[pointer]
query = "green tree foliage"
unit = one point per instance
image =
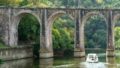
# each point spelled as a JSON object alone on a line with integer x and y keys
{"x": 63, "y": 33}
{"x": 63, "y": 3}
{"x": 117, "y": 33}
{"x": 95, "y": 32}
{"x": 10, "y": 2}
{"x": 28, "y": 28}
{"x": 117, "y": 36}
{"x": 36, "y": 3}
{"x": 29, "y": 33}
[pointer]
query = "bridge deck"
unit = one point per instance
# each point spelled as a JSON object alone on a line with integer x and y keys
{"x": 98, "y": 9}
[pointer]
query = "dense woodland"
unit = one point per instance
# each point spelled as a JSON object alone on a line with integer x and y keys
{"x": 63, "y": 27}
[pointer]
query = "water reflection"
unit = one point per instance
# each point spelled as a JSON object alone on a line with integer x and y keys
{"x": 94, "y": 65}
{"x": 28, "y": 63}
{"x": 46, "y": 63}
{"x": 110, "y": 62}
{"x": 23, "y": 63}
{"x": 83, "y": 64}
{"x": 78, "y": 62}
{"x": 60, "y": 63}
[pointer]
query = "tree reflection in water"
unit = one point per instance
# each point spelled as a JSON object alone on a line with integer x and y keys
{"x": 61, "y": 63}
{"x": 23, "y": 63}
{"x": 28, "y": 63}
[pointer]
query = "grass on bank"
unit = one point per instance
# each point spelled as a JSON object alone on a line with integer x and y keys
{"x": 3, "y": 45}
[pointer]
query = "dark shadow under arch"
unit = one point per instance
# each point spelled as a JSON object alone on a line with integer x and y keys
{"x": 29, "y": 32}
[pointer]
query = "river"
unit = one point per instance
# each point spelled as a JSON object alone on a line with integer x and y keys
{"x": 65, "y": 62}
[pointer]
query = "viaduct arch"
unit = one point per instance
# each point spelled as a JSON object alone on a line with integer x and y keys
{"x": 84, "y": 21}
{"x": 46, "y": 16}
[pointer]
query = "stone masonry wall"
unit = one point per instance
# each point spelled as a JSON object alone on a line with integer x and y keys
{"x": 16, "y": 53}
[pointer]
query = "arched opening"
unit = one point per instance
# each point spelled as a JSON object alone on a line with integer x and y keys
{"x": 29, "y": 32}
{"x": 63, "y": 28}
{"x": 95, "y": 30}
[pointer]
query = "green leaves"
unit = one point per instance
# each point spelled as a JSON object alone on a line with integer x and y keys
{"x": 14, "y": 3}
{"x": 95, "y": 32}
{"x": 117, "y": 36}
{"x": 62, "y": 3}
{"x": 28, "y": 28}
{"x": 63, "y": 33}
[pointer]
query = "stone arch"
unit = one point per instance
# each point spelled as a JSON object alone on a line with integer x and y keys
{"x": 89, "y": 14}
{"x": 14, "y": 26}
{"x": 84, "y": 21}
{"x": 56, "y": 15}
{"x": 50, "y": 21}
{"x": 21, "y": 13}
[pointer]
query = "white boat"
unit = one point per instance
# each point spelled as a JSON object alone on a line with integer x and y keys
{"x": 92, "y": 58}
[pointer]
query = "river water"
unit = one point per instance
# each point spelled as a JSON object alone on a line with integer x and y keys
{"x": 109, "y": 62}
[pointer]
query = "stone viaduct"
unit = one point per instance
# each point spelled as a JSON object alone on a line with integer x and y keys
{"x": 10, "y": 17}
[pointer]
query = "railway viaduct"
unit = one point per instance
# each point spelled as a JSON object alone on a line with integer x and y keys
{"x": 10, "y": 18}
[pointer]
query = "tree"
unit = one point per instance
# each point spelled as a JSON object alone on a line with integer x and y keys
{"x": 14, "y": 3}
{"x": 63, "y": 33}
{"x": 117, "y": 36}
{"x": 95, "y": 32}
{"x": 28, "y": 29}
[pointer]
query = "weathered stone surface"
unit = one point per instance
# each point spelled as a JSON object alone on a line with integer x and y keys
{"x": 110, "y": 53}
{"x": 4, "y": 28}
{"x": 46, "y": 54}
{"x": 10, "y": 17}
{"x": 16, "y": 53}
{"x": 79, "y": 54}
